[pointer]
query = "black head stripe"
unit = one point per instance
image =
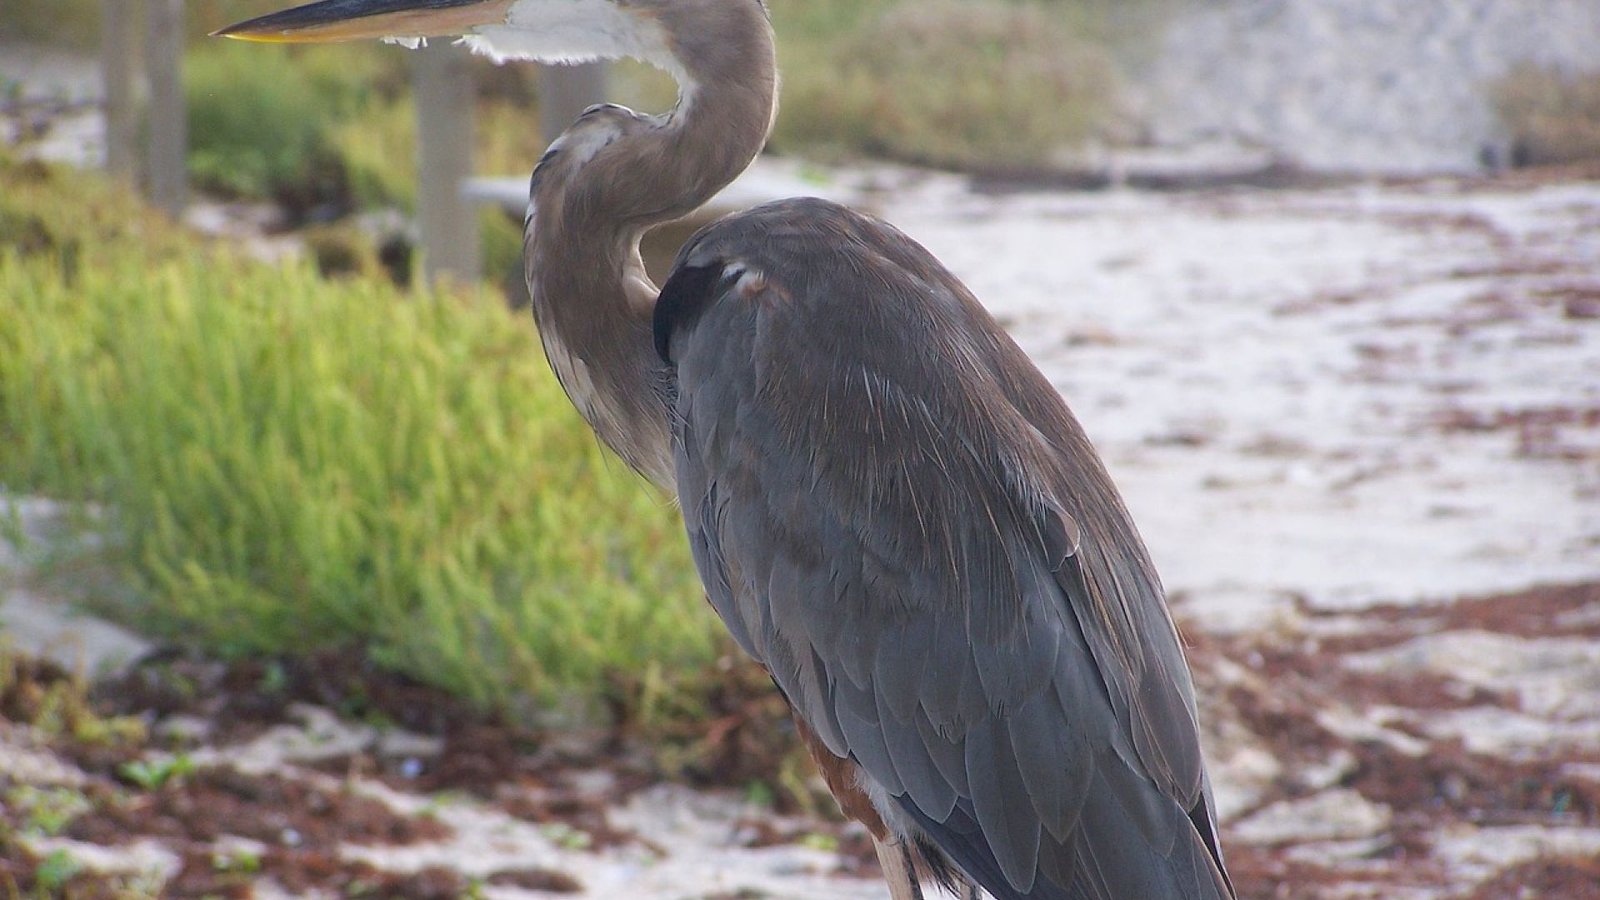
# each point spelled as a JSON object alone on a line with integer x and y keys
{"x": 687, "y": 293}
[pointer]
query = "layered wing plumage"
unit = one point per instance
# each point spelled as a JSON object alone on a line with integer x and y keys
{"x": 895, "y": 513}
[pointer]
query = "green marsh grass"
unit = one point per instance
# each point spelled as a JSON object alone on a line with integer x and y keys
{"x": 967, "y": 84}
{"x": 293, "y": 463}
{"x": 263, "y": 120}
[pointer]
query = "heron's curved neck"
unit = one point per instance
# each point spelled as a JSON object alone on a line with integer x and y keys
{"x": 609, "y": 179}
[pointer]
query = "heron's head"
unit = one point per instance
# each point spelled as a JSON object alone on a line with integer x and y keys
{"x": 664, "y": 33}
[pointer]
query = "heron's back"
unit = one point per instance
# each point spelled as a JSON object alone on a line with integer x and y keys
{"x": 897, "y": 515}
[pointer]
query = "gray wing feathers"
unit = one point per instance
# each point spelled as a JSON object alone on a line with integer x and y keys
{"x": 894, "y": 531}
{"x": 1000, "y": 799}
{"x": 919, "y": 767}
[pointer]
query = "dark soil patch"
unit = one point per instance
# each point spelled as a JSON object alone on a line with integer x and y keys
{"x": 300, "y": 819}
{"x": 1513, "y": 266}
{"x": 33, "y": 688}
{"x": 1443, "y": 786}
{"x": 301, "y": 826}
{"x": 1458, "y": 222}
{"x": 1446, "y": 783}
{"x": 746, "y": 735}
{"x": 301, "y": 823}
{"x": 1557, "y": 610}
{"x": 25, "y": 874}
{"x": 1541, "y": 432}
{"x": 273, "y": 809}
{"x": 857, "y": 856}
{"x": 585, "y": 813}
{"x": 1577, "y": 301}
{"x": 242, "y": 698}
{"x": 303, "y": 872}
{"x": 40, "y": 693}
{"x": 1570, "y": 879}
{"x": 534, "y": 792}
{"x": 545, "y": 880}
{"x": 1451, "y": 782}
{"x": 1261, "y": 873}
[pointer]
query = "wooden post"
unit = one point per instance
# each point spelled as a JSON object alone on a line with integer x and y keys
{"x": 566, "y": 91}
{"x": 119, "y": 70}
{"x": 446, "y": 220}
{"x": 168, "y": 124}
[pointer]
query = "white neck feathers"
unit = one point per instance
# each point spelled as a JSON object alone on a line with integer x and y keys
{"x": 577, "y": 31}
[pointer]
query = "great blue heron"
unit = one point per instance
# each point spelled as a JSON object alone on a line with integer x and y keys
{"x": 890, "y": 507}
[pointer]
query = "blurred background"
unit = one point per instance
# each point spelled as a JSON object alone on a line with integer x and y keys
{"x": 312, "y": 582}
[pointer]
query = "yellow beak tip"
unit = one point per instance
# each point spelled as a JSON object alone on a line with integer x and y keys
{"x": 254, "y": 38}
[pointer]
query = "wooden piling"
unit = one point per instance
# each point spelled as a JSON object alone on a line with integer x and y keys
{"x": 446, "y": 221}
{"x": 167, "y": 134}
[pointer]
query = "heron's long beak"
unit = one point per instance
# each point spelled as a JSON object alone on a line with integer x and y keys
{"x": 351, "y": 20}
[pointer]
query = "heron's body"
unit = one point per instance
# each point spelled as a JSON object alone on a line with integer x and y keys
{"x": 890, "y": 507}
{"x": 896, "y": 514}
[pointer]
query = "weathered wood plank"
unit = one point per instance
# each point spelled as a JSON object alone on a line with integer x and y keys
{"x": 167, "y": 181}
{"x": 119, "y": 70}
{"x": 446, "y": 219}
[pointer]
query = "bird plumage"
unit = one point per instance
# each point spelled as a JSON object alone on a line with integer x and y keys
{"x": 896, "y": 514}
{"x": 890, "y": 507}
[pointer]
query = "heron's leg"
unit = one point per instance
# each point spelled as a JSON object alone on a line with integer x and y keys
{"x": 896, "y": 862}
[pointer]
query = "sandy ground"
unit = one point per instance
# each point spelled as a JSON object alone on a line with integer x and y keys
{"x": 1334, "y": 413}
{"x": 1354, "y": 395}
{"x": 1359, "y": 427}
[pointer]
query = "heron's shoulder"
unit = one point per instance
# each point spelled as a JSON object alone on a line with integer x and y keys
{"x": 796, "y": 234}
{"x": 790, "y": 213}
{"x": 806, "y": 259}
